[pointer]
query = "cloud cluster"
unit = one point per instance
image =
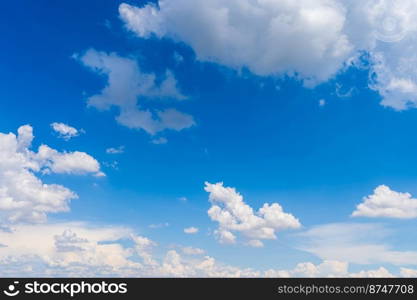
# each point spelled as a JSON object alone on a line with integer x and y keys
{"x": 234, "y": 215}
{"x": 79, "y": 249}
{"x": 386, "y": 203}
{"x": 127, "y": 85}
{"x": 23, "y": 195}
{"x": 65, "y": 131}
{"x": 118, "y": 150}
{"x": 310, "y": 40}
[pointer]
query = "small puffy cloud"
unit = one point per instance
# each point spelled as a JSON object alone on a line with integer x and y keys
{"x": 192, "y": 251}
{"x": 65, "y": 131}
{"x": 308, "y": 40}
{"x": 386, "y": 203}
{"x": 127, "y": 85}
{"x": 118, "y": 150}
{"x": 191, "y": 230}
{"x": 159, "y": 141}
{"x": 68, "y": 241}
{"x": 408, "y": 273}
{"x": 234, "y": 215}
{"x": 23, "y": 195}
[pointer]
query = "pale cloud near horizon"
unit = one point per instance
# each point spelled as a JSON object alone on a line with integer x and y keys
{"x": 79, "y": 249}
{"x": 117, "y": 150}
{"x": 358, "y": 243}
{"x": 310, "y": 40}
{"x": 23, "y": 195}
{"x": 386, "y": 203}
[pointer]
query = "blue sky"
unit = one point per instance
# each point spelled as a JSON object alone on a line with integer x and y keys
{"x": 316, "y": 148}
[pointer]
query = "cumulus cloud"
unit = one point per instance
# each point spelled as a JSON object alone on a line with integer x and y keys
{"x": 127, "y": 85}
{"x": 327, "y": 268}
{"x": 159, "y": 225}
{"x": 310, "y": 40}
{"x": 23, "y": 196}
{"x": 66, "y": 249}
{"x": 192, "y": 251}
{"x": 69, "y": 241}
{"x": 354, "y": 243}
{"x": 234, "y": 215}
{"x": 65, "y": 131}
{"x": 386, "y": 203}
{"x": 191, "y": 230}
{"x": 227, "y": 32}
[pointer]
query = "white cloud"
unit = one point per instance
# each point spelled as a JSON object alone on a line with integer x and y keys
{"x": 325, "y": 269}
{"x": 127, "y": 85}
{"x": 143, "y": 247}
{"x": 65, "y": 249}
{"x": 386, "y": 203}
{"x": 310, "y": 40}
{"x": 191, "y": 230}
{"x": 118, "y": 150}
{"x": 255, "y": 243}
{"x": 192, "y": 251}
{"x": 234, "y": 215}
{"x": 68, "y": 162}
{"x": 78, "y": 249}
{"x": 183, "y": 199}
{"x": 159, "y": 141}
{"x": 410, "y": 273}
{"x": 378, "y": 273}
{"x": 23, "y": 196}
{"x": 65, "y": 131}
{"x": 159, "y": 225}
{"x": 297, "y": 36}
{"x": 354, "y": 243}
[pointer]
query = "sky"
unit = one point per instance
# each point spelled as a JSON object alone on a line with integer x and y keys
{"x": 175, "y": 138}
